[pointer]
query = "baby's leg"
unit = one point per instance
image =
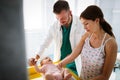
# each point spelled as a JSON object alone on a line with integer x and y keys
{"x": 58, "y": 76}
{"x": 67, "y": 74}
{"x": 49, "y": 77}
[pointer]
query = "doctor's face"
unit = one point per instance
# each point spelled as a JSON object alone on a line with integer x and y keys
{"x": 63, "y": 17}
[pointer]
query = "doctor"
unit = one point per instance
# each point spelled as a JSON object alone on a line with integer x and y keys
{"x": 66, "y": 32}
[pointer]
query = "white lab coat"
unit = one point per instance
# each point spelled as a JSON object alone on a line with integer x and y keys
{"x": 55, "y": 33}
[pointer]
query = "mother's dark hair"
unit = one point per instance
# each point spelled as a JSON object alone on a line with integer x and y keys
{"x": 92, "y": 12}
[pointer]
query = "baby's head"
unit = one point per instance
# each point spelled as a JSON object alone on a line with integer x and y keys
{"x": 46, "y": 60}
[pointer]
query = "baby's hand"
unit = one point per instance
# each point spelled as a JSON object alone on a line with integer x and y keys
{"x": 37, "y": 57}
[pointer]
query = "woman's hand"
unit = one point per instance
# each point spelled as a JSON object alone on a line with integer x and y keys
{"x": 59, "y": 65}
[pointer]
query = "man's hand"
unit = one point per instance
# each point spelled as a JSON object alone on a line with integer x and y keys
{"x": 32, "y": 61}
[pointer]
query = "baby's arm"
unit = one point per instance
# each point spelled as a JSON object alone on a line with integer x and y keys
{"x": 36, "y": 68}
{"x": 40, "y": 70}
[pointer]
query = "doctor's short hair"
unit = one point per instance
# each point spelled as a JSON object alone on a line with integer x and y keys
{"x": 60, "y": 5}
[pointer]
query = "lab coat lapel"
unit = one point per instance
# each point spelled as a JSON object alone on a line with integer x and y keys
{"x": 72, "y": 33}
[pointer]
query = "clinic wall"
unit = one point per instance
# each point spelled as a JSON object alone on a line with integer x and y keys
{"x": 111, "y": 10}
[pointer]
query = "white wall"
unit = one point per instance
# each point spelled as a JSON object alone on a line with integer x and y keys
{"x": 38, "y": 17}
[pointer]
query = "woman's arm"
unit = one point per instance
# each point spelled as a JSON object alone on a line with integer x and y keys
{"x": 110, "y": 58}
{"x": 75, "y": 52}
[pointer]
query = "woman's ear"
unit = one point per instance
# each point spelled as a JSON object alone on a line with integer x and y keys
{"x": 97, "y": 20}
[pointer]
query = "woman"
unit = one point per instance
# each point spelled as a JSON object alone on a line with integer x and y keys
{"x": 98, "y": 47}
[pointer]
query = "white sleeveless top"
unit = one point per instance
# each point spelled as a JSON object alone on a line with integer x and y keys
{"x": 92, "y": 59}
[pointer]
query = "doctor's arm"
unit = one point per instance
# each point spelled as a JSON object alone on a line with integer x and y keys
{"x": 48, "y": 39}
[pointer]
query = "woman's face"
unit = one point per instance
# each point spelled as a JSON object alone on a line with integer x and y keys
{"x": 89, "y": 25}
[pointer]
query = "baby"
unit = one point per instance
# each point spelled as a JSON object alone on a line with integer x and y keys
{"x": 51, "y": 71}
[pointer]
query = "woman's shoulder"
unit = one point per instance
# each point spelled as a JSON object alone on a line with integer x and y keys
{"x": 85, "y": 35}
{"x": 110, "y": 42}
{"x": 110, "y": 39}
